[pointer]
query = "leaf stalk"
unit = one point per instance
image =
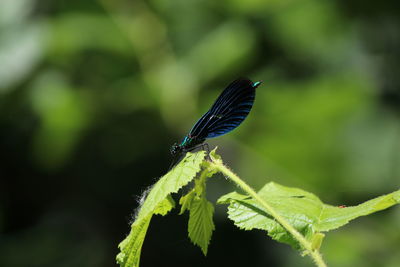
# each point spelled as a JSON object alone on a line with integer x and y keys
{"x": 313, "y": 253}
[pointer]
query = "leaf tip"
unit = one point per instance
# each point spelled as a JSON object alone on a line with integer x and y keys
{"x": 214, "y": 156}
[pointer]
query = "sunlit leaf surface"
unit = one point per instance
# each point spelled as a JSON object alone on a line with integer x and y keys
{"x": 158, "y": 201}
{"x": 305, "y": 211}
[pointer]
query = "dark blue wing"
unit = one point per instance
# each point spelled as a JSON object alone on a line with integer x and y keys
{"x": 228, "y": 111}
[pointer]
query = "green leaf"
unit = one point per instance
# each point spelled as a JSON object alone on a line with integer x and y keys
{"x": 186, "y": 201}
{"x": 303, "y": 210}
{"x": 131, "y": 247}
{"x": 165, "y": 206}
{"x": 214, "y": 156}
{"x": 201, "y": 222}
{"x": 201, "y": 225}
{"x": 317, "y": 241}
{"x": 174, "y": 180}
{"x": 158, "y": 201}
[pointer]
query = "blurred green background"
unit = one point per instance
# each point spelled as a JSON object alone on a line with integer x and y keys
{"x": 93, "y": 93}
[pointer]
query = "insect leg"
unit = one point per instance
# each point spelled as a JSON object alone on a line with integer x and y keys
{"x": 203, "y": 146}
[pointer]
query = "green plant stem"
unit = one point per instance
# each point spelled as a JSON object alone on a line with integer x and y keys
{"x": 315, "y": 255}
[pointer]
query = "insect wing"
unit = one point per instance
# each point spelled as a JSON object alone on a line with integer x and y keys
{"x": 228, "y": 111}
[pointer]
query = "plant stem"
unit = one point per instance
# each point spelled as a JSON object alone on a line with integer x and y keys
{"x": 315, "y": 255}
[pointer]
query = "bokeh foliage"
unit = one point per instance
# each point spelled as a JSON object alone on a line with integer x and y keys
{"x": 92, "y": 94}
